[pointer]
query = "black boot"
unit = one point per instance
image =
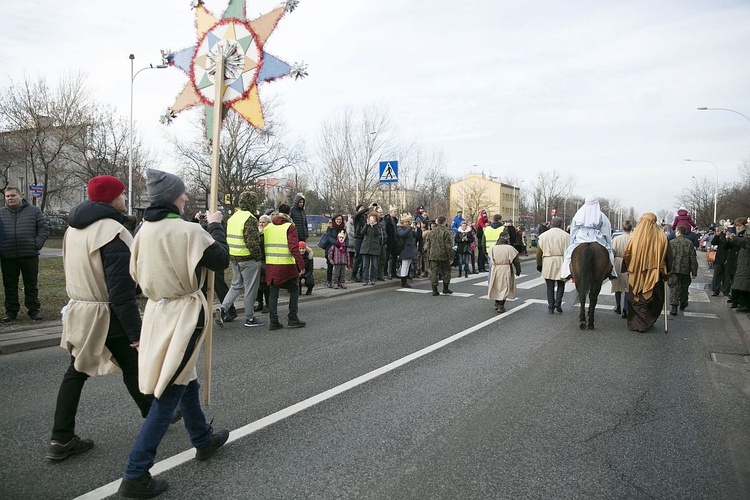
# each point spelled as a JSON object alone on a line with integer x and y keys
{"x": 501, "y": 307}
{"x": 673, "y": 311}
{"x": 446, "y": 290}
{"x": 435, "y": 291}
{"x": 142, "y": 487}
{"x": 404, "y": 283}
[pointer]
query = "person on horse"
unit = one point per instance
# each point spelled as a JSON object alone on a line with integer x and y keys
{"x": 589, "y": 225}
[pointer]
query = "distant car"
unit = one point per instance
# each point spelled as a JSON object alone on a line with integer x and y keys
{"x": 57, "y": 225}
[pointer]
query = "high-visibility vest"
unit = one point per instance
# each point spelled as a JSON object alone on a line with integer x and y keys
{"x": 276, "y": 244}
{"x": 491, "y": 235}
{"x": 235, "y": 233}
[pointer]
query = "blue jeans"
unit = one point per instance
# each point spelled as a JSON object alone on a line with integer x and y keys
{"x": 369, "y": 268}
{"x": 464, "y": 259}
{"x": 357, "y": 267}
{"x": 157, "y": 422}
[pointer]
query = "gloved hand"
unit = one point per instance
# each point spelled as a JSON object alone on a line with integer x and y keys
{"x": 518, "y": 274}
{"x": 539, "y": 268}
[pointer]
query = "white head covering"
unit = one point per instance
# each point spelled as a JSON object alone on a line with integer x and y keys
{"x": 590, "y": 213}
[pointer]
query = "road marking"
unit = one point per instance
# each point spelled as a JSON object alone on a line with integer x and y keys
{"x": 698, "y": 296}
{"x": 413, "y": 290}
{"x": 530, "y": 284}
{"x": 181, "y": 458}
{"x": 701, "y": 315}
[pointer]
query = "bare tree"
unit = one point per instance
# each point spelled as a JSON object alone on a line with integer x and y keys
{"x": 349, "y": 149}
{"x": 43, "y": 126}
{"x": 246, "y": 155}
{"x": 549, "y": 190}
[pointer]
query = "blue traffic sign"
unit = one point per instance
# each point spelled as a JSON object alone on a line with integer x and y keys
{"x": 388, "y": 171}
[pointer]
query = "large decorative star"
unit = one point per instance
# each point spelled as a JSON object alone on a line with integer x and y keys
{"x": 246, "y": 63}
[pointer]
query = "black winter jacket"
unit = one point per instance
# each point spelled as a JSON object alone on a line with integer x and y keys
{"x": 26, "y": 231}
{"x": 299, "y": 217}
{"x": 125, "y": 318}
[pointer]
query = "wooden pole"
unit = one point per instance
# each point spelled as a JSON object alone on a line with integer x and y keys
{"x": 666, "y": 299}
{"x": 212, "y": 207}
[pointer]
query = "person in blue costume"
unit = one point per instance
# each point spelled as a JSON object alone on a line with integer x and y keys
{"x": 589, "y": 224}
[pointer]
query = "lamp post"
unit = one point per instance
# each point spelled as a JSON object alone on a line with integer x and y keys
{"x": 516, "y": 193}
{"x": 130, "y": 149}
{"x": 716, "y": 186}
{"x": 725, "y": 109}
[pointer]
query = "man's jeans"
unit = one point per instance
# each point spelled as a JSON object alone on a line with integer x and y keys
{"x": 357, "y": 267}
{"x": 157, "y": 422}
{"x": 552, "y": 297}
{"x": 72, "y": 384}
{"x": 245, "y": 276}
{"x": 12, "y": 269}
{"x": 273, "y": 300}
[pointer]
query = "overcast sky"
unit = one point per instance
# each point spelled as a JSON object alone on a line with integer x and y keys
{"x": 604, "y": 91}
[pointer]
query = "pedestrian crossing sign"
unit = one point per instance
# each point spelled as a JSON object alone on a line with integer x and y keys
{"x": 388, "y": 171}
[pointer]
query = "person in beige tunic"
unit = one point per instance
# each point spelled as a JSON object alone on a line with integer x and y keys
{"x": 502, "y": 284}
{"x": 101, "y": 322}
{"x": 550, "y": 249}
{"x": 169, "y": 260}
{"x": 620, "y": 285}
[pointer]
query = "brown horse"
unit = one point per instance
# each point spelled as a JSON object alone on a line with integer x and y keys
{"x": 590, "y": 266}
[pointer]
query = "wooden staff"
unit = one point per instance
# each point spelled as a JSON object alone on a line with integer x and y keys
{"x": 666, "y": 299}
{"x": 212, "y": 207}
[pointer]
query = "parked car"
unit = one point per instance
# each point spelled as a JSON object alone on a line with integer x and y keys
{"x": 57, "y": 225}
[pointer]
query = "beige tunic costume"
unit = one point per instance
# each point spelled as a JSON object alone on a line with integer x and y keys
{"x": 619, "y": 244}
{"x": 553, "y": 244}
{"x": 165, "y": 254}
{"x": 87, "y": 314}
{"x": 502, "y": 283}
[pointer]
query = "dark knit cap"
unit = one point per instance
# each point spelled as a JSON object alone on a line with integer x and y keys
{"x": 105, "y": 188}
{"x": 163, "y": 187}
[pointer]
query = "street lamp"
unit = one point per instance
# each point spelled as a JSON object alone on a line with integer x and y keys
{"x": 725, "y": 109}
{"x": 716, "y": 186}
{"x": 516, "y": 192}
{"x": 130, "y": 149}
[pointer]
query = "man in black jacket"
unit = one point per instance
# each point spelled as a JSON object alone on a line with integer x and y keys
{"x": 721, "y": 282}
{"x": 26, "y": 230}
{"x": 101, "y": 323}
{"x": 299, "y": 216}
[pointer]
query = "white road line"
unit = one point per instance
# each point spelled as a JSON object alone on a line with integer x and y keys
{"x": 413, "y": 290}
{"x": 698, "y": 296}
{"x": 701, "y": 315}
{"x": 171, "y": 462}
{"x": 530, "y": 284}
{"x": 507, "y": 300}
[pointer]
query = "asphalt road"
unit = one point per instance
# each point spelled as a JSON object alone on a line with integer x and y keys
{"x": 398, "y": 394}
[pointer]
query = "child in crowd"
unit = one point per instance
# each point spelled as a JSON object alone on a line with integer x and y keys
{"x": 307, "y": 279}
{"x": 338, "y": 256}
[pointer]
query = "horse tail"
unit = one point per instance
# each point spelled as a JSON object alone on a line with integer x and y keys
{"x": 587, "y": 270}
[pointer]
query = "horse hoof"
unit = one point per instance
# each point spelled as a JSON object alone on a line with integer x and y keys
{"x": 583, "y": 325}
{"x": 591, "y": 326}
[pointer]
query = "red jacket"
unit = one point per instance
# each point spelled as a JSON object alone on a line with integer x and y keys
{"x": 278, "y": 274}
{"x": 683, "y": 219}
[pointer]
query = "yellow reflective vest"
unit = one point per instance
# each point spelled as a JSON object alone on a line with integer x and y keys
{"x": 235, "y": 233}
{"x": 276, "y": 244}
{"x": 491, "y": 235}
